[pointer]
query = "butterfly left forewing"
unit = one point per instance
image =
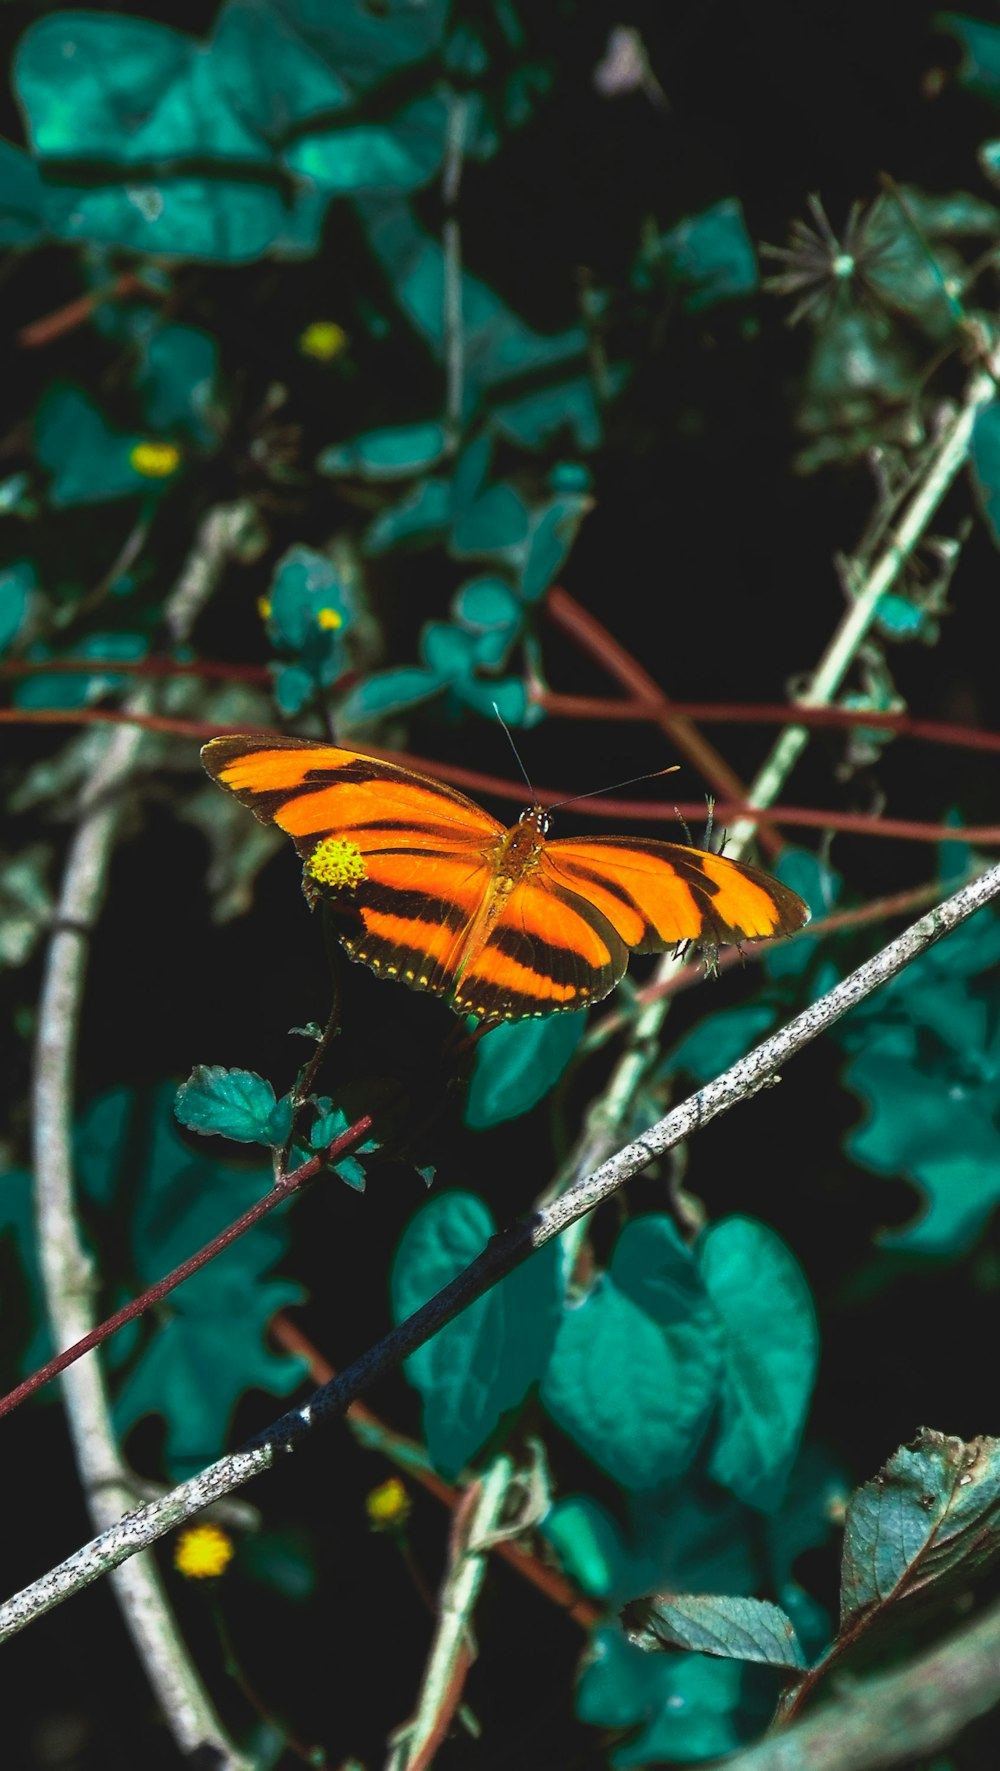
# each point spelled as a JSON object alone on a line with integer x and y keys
{"x": 657, "y": 894}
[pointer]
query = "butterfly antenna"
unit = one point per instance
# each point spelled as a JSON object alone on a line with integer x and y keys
{"x": 651, "y": 775}
{"x": 517, "y": 753}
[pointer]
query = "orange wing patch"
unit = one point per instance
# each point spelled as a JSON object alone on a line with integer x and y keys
{"x": 438, "y": 894}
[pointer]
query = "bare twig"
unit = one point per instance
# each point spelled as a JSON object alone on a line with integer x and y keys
{"x": 66, "y": 1269}
{"x": 902, "y": 1715}
{"x": 758, "y": 1069}
{"x": 477, "y": 1518}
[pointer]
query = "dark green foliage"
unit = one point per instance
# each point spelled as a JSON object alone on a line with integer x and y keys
{"x": 516, "y": 1065}
{"x": 728, "y": 1629}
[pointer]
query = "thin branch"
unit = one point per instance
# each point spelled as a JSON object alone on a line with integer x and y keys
{"x": 410, "y": 1457}
{"x": 227, "y": 673}
{"x": 65, "y": 1265}
{"x": 947, "y": 462}
{"x": 902, "y": 1715}
{"x": 595, "y": 639}
{"x": 285, "y": 1185}
{"x": 507, "y": 1250}
{"x": 75, "y": 313}
{"x": 475, "y": 1521}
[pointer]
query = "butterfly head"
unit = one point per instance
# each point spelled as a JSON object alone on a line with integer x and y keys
{"x": 537, "y": 819}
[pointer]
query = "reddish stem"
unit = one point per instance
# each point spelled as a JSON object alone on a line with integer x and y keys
{"x": 74, "y": 313}
{"x": 594, "y": 638}
{"x": 283, "y": 1187}
{"x": 230, "y": 673}
{"x": 547, "y": 1580}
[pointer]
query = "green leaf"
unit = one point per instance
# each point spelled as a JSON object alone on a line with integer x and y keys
{"x": 717, "y": 1624}
{"x": 770, "y": 1352}
{"x": 936, "y": 1130}
{"x": 177, "y": 380}
{"x": 927, "y": 1525}
{"x": 389, "y": 691}
{"x": 223, "y": 220}
{"x": 680, "y": 1708}
{"x": 392, "y": 454}
{"x": 509, "y": 695}
{"x": 234, "y": 1104}
{"x": 397, "y": 156}
{"x": 101, "y": 1144}
{"x": 481, "y": 1364}
{"x": 587, "y": 1542}
{"x": 306, "y": 585}
{"x": 517, "y": 1064}
{"x": 552, "y": 533}
{"x": 496, "y": 523}
{"x": 195, "y": 1368}
{"x": 720, "y": 1039}
{"x": 16, "y": 585}
{"x": 423, "y": 515}
{"x": 821, "y": 887}
{"x": 27, "y": 904}
{"x": 648, "y": 1320}
{"x": 486, "y": 603}
{"x": 282, "y": 1560}
{"x": 708, "y": 256}
{"x": 985, "y": 461}
{"x": 22, "y": 198}
{"x": 980, "y": 69}
{"x": 89, "y": 462}
{"x": 17, "y": 1223}
{"x": 447, "y": 650}
{"x": 76, "y": 690}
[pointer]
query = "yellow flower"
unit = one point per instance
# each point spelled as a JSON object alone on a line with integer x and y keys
{"x": 202, "y": 1552}
{"x": 324, "y": 340}
{"x": 155, "y": 461}
{"x": 264, "y": 607}
{"x": 336, "y": 862}
{"x": 330, "y": 619}
{"x": 388, "y": 1506}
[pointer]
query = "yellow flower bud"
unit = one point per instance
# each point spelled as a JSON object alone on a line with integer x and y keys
{"x": 203, "y": 1552}
{"x": 388, "y": 1506}
{"x": 324, "y": 340}
{"x": 155, "y": 461}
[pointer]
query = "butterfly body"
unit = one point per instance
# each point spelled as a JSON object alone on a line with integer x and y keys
{"x": 504, "y": 922}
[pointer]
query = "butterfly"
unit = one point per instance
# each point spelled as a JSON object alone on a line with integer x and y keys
{"x": 505, "y": 923}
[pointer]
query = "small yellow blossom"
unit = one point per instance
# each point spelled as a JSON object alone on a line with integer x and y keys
{"x": 155, "y": 461}
{"x": 264, "y": 607}
{"x": 330, "y": 619}
{"x": 202, "y": 1552}
{"x": 336, "y": 862}
{"x": 388, "y": 1505}
{"x": 324, "y": 340}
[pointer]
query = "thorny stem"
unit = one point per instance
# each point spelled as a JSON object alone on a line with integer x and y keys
{"x": 506, "y": 1251}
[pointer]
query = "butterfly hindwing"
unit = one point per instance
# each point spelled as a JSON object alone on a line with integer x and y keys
{"x": 660, "y": 893}
{"x": 549, "y": 950}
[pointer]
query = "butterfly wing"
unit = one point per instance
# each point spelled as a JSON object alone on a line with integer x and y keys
{"x": 426, "y": 849}
{"x": 549, "y": 950}
{"x": 656, "y": 894}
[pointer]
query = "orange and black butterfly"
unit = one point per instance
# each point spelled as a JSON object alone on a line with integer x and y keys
{"x": 504, "y": 923}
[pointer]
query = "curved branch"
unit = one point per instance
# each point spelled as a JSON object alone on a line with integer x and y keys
{"x": 759, "y": 1069}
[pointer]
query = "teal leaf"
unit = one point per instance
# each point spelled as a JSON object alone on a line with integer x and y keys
{"x": 327, "y": 1126}
{"x": 395, "y": 453}
{"x": 194, "y": 1369}
{"x": 22, "y": 198}
{"x": 926, "y": 1525}
{"x": 448, "y": 651}
{"x": 480, "y": 1365}
{"x": 177, "y": 380}
{"x": 985, "y": 461}
{"x": 234, "y": 1104}
{"x": 101, "y": 1144}
{"x": 649, "y": 1320}
{"x": 709, "y": 257}
{"x": 219, "y": 220}
{"x": 17, "y": 1224}
{"x": 587, "y": 1542}
{"x": 980, "y": 69}
{"x": 389, "y": 691}
{"x": 89, "y": 462}
{"x": 306, "y": 585}
{"x": 506, "y": 695}
{"x": 497, "y": 344}
{"x": 294, "y": 688}
{"x": 495, "y": 523}
{"x": 680, "y": 1708}
{"x": 534, "y": 419}
{"x": 16, "y": 585}
{"x": 124, "y": 90}
{"x": 516, "y": 1065}
{"x": 282, "y": 1559}
{"x": 421, "y": 516}
{"x": 399, "y": 155}
{"x": 770, "y": 1351}
{"x": 821, "y": 887}
{"x": 486, "y": 603}
{"x": 78, "y": 689}
{"x": 552, "y": 533}
{"x": 720, "y": 1039}
{"x": 717, "y": 1624}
